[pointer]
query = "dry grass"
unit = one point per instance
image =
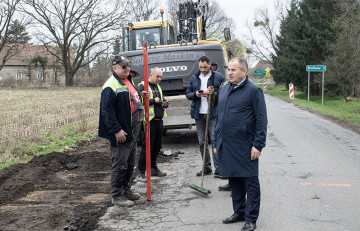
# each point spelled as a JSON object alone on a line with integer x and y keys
{"x": 29, "y": 113}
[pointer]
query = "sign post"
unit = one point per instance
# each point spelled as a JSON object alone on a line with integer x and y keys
{"x": 259, "y": 72}
{"x": 316, "y": 68}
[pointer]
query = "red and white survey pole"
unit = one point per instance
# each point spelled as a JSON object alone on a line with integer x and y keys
{"x": 147, "y": 124}
{"x": 291, "y": 91}
{"x": 265, "y": 85}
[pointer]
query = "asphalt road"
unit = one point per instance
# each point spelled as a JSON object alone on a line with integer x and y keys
{"x": 309, "y": 175}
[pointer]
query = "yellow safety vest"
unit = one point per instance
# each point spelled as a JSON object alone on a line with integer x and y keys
{"x": 151, "y": 107}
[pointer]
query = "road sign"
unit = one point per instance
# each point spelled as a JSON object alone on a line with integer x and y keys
{"x": 318, "y": 68}
{"x": 259, "y": 72}
{"x": 267, "y": 74}
{"x": 267, "y": 69}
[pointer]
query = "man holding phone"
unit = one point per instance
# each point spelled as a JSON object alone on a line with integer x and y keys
{"x": 157, "y": 103}
{"x": 202, "y": 84}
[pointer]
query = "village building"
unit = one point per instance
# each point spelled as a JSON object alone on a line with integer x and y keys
{"x": 32, "y": 64}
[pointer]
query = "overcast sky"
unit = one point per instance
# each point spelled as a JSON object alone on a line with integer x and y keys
{"x": 242, "y": 10}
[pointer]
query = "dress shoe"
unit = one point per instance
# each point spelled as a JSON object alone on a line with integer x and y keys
{"x": 206, "y": 172}
{"x": 226, "y": 187}
{"x": 223, "y": 177}
{"x": 249, "y": 226}
{"x": 234, "y": 218}
{"x": 217, "y": 174}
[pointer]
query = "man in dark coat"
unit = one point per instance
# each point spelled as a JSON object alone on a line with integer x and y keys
{"x": 240, "y": 135}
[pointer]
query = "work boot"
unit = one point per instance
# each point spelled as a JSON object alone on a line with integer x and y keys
{"x": 141, "y": 177}
{"x": 206, "y": 172}
{"x": 122, "y": 201}
{"x": 157, "y": 172}
{"x": 129, "y": 194}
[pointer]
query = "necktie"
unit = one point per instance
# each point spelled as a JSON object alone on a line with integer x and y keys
{"x": 231, "y": 87}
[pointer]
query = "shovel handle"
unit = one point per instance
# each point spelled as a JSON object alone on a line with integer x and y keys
{"x": 205, "y": 141}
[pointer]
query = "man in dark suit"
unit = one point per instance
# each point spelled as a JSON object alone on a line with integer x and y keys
{"x": 240, "y": 135}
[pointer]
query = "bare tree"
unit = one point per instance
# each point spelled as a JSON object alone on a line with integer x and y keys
{"x": 75, "y": 27}
{"x": 263, "y": 46}
{"x": 216, "y": 21}
{"x": 142, "y": 10}
{"x": 263, "y": 31}
{"x": 236, "y": 48}
{"x": 12, "y": 31}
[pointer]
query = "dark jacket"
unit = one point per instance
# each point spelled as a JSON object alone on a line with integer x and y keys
{"x": 215, "y": 80}
{"x": 158, "y": 107}
{"x": 241, "y": 123}
{"x": 115, "y": 109}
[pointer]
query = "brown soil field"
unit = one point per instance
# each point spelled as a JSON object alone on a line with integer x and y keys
{"x": 58, "y": 191}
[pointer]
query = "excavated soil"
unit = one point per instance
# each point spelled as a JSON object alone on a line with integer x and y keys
{"x": 58, "y": 191}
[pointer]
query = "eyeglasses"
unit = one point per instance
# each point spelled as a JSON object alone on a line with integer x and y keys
{"x": 125, "y": 66}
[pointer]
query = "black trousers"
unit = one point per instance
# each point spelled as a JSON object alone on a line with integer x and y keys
{"x": 156, "y": 130}
{"x": 246, "y": 196}
{"x": 123, "y": 162}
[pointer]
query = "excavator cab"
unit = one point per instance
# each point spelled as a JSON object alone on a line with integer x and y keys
{"x": 154, "y": 32}
{"x": 176, "y": 56}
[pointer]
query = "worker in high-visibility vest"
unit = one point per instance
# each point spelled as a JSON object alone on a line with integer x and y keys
{"x": 120, "y": 122}
{"x": 157, "y": 103}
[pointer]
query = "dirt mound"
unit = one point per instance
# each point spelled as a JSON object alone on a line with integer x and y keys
{"x": 58, "y": 191}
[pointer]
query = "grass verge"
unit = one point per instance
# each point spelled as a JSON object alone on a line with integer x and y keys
{"x": 336, "y": 108}
{"x": 52, "y": 141}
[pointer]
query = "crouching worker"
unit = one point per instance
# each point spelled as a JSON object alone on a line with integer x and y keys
{"x": 120, "y": 122}
{"x": 157, "y": 103}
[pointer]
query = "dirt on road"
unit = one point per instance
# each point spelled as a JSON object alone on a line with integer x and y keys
{"x": 63, "y": 191}
{"x": 58, "y": 191}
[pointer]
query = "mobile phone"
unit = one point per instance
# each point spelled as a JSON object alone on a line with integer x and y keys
{"x": 200, "y": 91}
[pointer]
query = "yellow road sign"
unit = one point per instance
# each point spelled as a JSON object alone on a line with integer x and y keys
{"x": 267, "y": 70}
{"x": 267, "y": 74}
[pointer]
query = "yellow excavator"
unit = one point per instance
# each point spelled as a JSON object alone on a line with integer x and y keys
{"x": 177, "y": 56}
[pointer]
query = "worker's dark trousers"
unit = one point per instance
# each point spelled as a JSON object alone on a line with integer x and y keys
{"x": 246, "y": 196}
{"x": 123, "y": 162}
{"x": 156, "y": 130}
{"x": 200, "y": 130}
